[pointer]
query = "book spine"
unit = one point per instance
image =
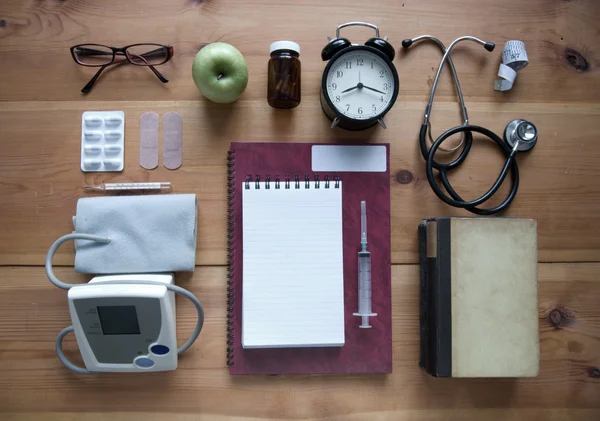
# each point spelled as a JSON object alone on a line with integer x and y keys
{"x": 442, "y": 301}
{"x": 423, "y": 295}
{"x": 230, "y": 257}
{"x": 428, "y": 259}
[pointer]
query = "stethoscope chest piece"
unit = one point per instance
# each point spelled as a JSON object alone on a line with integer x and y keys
{"x": 522, "y": 132}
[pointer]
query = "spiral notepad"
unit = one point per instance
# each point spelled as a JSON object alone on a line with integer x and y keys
{"x": 293, "y": 289}
{"x": 309, "y": 228}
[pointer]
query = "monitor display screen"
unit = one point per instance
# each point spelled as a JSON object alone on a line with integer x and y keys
{"x": 119, "y": 320}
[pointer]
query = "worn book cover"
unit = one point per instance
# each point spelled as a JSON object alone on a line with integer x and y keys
{"x": 479, "y": 297}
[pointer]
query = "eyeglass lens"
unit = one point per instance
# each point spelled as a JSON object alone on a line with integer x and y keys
{"x": 93, "y": 55}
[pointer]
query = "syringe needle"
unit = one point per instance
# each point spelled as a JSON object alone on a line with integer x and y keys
{"x": 363, "y": 225}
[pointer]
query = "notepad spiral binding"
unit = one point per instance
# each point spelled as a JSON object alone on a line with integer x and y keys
{"x": 296, "y": 184}
{"x": 230, "y": 256}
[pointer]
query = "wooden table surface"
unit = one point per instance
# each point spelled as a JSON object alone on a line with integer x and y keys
{"x": 40, "y": 182}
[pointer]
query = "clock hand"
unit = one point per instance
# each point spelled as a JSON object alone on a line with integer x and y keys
{"x": 359, "y": 86}
{"x": 350, "y": 89}
{"x": 374, "y": 90}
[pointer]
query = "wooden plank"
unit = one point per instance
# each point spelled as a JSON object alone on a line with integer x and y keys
{"x": 40, "y": 179}
{"x": 32, "y": 312}
{"x": 35, "y": 37}
{"x": 498, "y": 414}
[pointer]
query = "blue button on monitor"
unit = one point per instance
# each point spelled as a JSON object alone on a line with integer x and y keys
{"x": 159, "y": 349}
{"x": 144, "y": 362}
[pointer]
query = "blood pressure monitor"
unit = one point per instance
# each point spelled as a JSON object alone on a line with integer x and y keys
{"x": 125, "y": 327}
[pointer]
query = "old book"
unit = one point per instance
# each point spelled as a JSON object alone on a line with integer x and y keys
{"x": 479, "y": 297}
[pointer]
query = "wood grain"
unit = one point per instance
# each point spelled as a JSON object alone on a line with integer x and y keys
{"x": 40, "y": 179}
{"x": 32, "y": 311}
{"x": 40, "y": 182}
{"x": 561, "y": 38}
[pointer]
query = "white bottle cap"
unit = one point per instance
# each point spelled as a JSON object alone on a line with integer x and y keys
{"x": 284, "y": 45}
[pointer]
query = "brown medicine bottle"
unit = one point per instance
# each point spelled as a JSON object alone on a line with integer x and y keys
{"x": 283, "y": 90}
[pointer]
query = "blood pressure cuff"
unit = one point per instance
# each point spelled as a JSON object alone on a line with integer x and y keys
{"x": 147, "y": 234}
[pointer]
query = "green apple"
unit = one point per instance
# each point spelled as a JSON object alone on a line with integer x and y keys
{"x": 220, "y": 72}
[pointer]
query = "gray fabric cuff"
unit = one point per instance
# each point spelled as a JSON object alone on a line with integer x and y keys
{"x": 148, "y": 234}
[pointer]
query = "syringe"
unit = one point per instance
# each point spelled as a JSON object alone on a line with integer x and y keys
{"x": 364, "y": 272}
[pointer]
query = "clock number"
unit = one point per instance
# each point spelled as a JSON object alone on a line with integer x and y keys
{"x": 360, "y": 62}
{"x": 360, "y": 110}
{"x": 337, "y": 98}
{"x": 374, "y": 108}
{"x": 381, "y": 73}
{"x": 339, "y": 74}
{"x": 371, "y": 64}
{"x": 334, "y": 86}
{"x": 381, "y": 98}
{"x": 347, "y": 107}
{"x": 385, "y": 86}
{"x": 348, "y": 65}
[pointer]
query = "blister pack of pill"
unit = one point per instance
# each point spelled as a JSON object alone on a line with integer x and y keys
{"x": 102, "y": 141}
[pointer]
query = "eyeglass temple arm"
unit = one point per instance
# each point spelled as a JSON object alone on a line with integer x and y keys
{"x": 156, "y": 72}
{"x": 88, "y": 87}
{"x": 157, "y": 52}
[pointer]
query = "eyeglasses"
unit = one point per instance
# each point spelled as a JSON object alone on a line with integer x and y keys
{"x": 98, "y": 55}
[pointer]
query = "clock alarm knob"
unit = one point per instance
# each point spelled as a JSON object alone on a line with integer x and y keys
{"x": 333, "y": 47}
{"x": 383, "y": 46}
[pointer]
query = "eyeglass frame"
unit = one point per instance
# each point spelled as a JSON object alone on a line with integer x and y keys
{"x": 123, "y": 50}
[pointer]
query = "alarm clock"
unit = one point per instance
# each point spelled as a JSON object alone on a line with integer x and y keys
{"x": 360, "y": 82}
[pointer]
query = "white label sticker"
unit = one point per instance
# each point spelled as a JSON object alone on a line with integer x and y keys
{"x": 347, "y": 158}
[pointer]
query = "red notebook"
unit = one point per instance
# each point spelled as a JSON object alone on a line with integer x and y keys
{"x": 365, "y": 350}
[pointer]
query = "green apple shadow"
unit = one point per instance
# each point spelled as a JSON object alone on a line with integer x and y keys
{"x": 218, "y": 117}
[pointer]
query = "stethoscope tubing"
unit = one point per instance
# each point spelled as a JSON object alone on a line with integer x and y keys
{"x": 454, "y": 199}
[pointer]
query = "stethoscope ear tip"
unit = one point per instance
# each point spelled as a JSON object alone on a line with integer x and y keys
{"x": 407, "y": 43}
{"x": 489, "y": 46}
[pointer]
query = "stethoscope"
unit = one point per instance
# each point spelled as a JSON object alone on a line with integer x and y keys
{"x": 519, "y": 135}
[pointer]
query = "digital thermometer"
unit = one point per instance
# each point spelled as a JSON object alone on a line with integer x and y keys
{"x": 124, "y": 327}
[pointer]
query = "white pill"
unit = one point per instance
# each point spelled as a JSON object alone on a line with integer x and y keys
{"x": 112, "y": 135}
{"x": 112, "y": 149}
{"x": 92, "y": 149}
{"x": 93, "y": 121}
{"x": 92, "y": 136}
{"x": 91, "y": 163}
{"x": 113, "y": 120}
{"x": 112, "y": 163}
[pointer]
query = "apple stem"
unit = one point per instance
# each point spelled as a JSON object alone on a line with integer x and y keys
{"x": 220, "y": 76}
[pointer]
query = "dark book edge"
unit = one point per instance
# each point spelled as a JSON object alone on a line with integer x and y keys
{"x": 442, "y": 299}
{"x": 423, "y": 297}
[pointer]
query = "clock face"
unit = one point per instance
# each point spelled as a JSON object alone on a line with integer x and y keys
{"x": 360, "y": 85}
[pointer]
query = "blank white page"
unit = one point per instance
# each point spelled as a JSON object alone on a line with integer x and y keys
{"x": 293, "y": 281}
